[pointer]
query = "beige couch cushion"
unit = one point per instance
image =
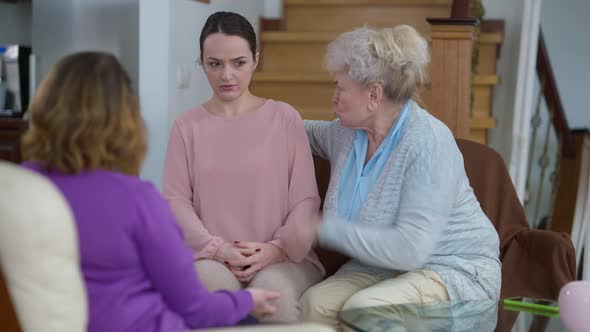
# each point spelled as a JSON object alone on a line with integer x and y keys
{"x": 39, "y": 253}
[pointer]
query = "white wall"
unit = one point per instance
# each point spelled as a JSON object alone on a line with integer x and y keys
{"x": 500, "y": 138}
{"x": 66, "y": 26}
{"x": 169, "y": 43}
{"x": 566, "y": 27}
{"x": 15, "y": 23}
{"x": 273, "y": 8}
{"x": 154, "y": 49}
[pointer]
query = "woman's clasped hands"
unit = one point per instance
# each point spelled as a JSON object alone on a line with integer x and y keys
{"x": 245, "y": 259}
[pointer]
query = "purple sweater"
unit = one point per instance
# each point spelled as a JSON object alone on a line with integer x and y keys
{"x": 139, "y": 275}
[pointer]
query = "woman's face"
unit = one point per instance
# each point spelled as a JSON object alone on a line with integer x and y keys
{"x": 228, "y": 64}
{"x": 350, "y": 101}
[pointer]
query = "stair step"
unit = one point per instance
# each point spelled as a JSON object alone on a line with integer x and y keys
{"x": 338, "y": 16}
{"x": 483, "y": 123}
{"x": 315, "y": 113}
{"x": 285, "y": 77}
{"x": 327, "y": 36}
{"x": 326, "y": 113}
{"x": 305, "y": 51}
{"x": 297, "y": 37}
{"x": 316, "y": 89}
{"x": 323, "y": 3}
{"x": 295, "y": 91}
{"x": 292, "y": 77}
{"x": 491, "y": 38}
{"x": 478, "y": 126}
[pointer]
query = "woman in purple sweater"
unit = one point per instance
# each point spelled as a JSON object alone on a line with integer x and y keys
{"x": 87, "y": 136}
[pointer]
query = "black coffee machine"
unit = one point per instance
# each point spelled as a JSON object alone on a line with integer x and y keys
{"x": 14, "y": 80}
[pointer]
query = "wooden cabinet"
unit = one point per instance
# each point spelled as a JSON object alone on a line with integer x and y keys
{"x": 11, "y": 131}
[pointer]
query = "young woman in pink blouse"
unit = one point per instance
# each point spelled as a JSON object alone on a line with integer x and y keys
{"x": 239, "y": 177}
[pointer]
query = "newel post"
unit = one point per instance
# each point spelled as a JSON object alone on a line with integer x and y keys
{"x": 450, "y": 73}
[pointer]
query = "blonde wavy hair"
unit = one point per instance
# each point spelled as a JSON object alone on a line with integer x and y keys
{"x": 397, "y": 58}
{"x": 86, "y": 115}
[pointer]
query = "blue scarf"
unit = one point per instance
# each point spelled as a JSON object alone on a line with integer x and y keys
{"x": 358, "y": 179}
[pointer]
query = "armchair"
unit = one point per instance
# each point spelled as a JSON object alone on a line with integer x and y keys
{"x": 535, "y": 263}
{"x": 39, "y": 269}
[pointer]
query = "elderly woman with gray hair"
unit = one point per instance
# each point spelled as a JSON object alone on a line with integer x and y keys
{"x": 399, "y": 201}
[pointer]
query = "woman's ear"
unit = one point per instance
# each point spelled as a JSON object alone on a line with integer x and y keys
{"x": 256, "y": 57}
{"x": 375, "y": 94}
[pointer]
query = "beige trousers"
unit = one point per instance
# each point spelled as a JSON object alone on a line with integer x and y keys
{"x": 288, "y": 278}
{"x": 322, "y": 302}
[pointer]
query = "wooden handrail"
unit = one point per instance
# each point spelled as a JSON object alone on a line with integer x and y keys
{"x": 553, "y": 100}
{"x": 460, "y": 15}
{"x": 460, "y": 9}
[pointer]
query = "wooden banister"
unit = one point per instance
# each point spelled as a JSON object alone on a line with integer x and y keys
{"x": 551, "y": 93}
{"x": 460, "y": 9}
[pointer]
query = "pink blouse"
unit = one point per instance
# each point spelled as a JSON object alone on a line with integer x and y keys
{"x": 248, "y": 178}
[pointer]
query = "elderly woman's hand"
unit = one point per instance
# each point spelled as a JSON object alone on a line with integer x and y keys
{"x": 257, "y": 256}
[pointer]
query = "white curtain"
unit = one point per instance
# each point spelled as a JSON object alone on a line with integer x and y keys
{"x": 523, "y": 109}
{"x": 524, "y": 99}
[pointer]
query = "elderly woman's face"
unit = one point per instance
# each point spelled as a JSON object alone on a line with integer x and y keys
{"x": 350, "y": 101}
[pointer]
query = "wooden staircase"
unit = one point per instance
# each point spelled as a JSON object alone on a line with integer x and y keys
{"x": 292, "y": 52}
